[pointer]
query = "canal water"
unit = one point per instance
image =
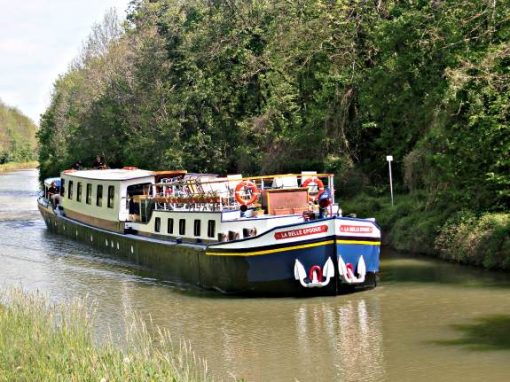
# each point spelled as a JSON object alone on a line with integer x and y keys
{"x": 426, "y": 321}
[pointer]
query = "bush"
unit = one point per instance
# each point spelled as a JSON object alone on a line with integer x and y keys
{"x": 415, "y": 226}
{"x": 479, "y": 240}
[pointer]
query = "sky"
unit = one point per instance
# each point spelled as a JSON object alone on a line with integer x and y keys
{"x": 38, "y": 41}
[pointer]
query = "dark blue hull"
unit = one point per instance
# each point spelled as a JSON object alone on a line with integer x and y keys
{"x": 261, "y": 271}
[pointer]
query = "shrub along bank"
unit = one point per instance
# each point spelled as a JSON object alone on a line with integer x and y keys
{"x": 442, "y": 230}
{"x": 12, "y": 166}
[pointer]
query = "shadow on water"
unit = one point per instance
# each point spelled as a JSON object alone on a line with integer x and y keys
{"x": 484, "y": 334}
{"x": 396, "y": 268}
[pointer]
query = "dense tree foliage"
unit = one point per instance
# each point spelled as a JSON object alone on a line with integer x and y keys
{"x": 275, "y": 86}
{"x": 17, "y": 136}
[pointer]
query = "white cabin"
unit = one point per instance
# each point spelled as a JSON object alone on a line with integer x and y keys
{"x": 191, "y": 207}
{"x": 99, "y": 197}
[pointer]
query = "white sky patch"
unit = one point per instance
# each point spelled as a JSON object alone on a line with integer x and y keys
{"x": 38, "y": 41}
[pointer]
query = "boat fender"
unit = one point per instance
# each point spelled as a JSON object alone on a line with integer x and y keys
{"x": 233, "y": 235}
{"x": 241, "y": 187}
{"x": 249, "y": 232}
{"x": 318, "y": 183}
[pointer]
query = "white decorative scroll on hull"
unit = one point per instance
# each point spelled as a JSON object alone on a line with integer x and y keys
{"x": 346, "y": 271}
{"x": 317, "y": 277}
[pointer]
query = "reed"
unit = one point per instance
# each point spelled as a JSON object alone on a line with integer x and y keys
{"x": 43, "y": 341}
{"x": 12, "y": 166}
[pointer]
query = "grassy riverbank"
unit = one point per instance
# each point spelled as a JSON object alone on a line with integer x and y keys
{"x": 13, "y": 166}
{"x": 40, "y": 341}
{"x": 444, "y": 231}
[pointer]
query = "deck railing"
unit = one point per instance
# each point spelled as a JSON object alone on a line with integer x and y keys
{"x": 218, "y": 194}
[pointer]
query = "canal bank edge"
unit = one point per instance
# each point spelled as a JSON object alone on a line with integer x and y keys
{"x": 443, "y": 231}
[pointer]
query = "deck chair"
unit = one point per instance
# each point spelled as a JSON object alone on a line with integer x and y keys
{"x": 289, "y": 181}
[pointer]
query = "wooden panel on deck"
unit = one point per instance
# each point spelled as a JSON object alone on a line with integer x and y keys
{"x": 285, "y": 201}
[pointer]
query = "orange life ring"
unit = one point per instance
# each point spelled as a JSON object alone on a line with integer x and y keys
{"x": 317, "y": 182}
{"x": 68, "y": 171}
{"x": 251, "y": 186}
{"x": 130, "y": 168}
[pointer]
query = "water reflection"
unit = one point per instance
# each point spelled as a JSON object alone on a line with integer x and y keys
{"x": 350, "y": 333}
{"x": 272, "y": 339}
{"x": 414, "y": 268}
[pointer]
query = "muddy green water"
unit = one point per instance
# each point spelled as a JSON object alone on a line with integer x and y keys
{"x": 426, "y": 321}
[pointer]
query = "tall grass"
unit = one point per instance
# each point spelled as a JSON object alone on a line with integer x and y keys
{"x": 12, "y": 166}
{"x": 43, "y": 341}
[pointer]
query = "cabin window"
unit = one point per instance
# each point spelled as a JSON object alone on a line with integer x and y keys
{"x": 78, "y": 192}
{"x": 182, "y": 226}
{"x": 70, "y": 190}
{"x": 99, "y": 195}
{"x": 62, "y": 187}
{"x": 157, "y": 224}
{"x": 88, "y": 197}
{"x": 211, "y": 228}
{"x": 111, "y": 196}
{"x": 196, "y": 227}
{"x": 170, "y": 226}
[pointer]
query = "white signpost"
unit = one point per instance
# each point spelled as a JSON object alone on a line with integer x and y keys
{"x": 389, "y": 158}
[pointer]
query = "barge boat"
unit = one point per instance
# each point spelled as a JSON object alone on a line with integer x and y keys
{"x": 277, "y": 235}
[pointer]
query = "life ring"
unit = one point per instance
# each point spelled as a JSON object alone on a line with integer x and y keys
{"x": 68, "y": 171}
{"x": 242, "y": 186}
{"x": 319, "y": 185}
{"x": 130, "y": 168}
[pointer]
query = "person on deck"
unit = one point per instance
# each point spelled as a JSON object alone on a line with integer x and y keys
{"x": 77, "y": 165}
{"x": 54, "y": 195}
{"x": 52, "y": 190}
{"x": 99, "y": 162}
{"x": 134, "y": 210}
